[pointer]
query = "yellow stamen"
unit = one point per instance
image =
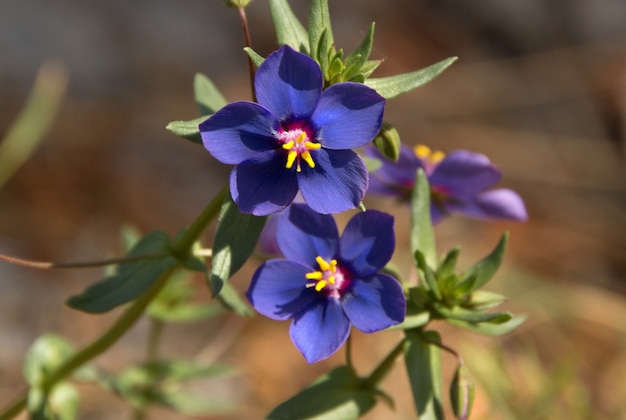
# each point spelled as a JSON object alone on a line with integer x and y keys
{"x": 291, "y": 158}
{"x": 288, "y": 145}
{"x": 320, "y": 285}
{"x": 312, "y": 146}
{"x": 437, "y": 156}
{"x": 308, "y": 159}
{"x": 316, "y": 275}
{"x": 422, "y": 151}
{"x": 333, "y": 266}
{"x": 331, "y": 279}
{"x": 301, "y": 137}
{"x": 322, "y": 263}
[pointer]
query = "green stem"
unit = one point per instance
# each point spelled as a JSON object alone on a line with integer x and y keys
{"x": 385, "y": 366}
{"x": 154, "y": 337}
{"x": 130, "y": 316}
{"x": 82, "y": 264}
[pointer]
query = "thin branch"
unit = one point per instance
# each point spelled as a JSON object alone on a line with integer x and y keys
{"x": 46, "y": 265}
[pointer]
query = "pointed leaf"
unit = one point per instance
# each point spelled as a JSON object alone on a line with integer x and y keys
{"x": 472, "y": 316}
{"x": 422, "y": 234}
{"x": 390, "y": 87}
{"x": 319, "y": 23}
{"x": 482, "y": 300}
{"x": 336, "y": 395}
{"x": 430, "y": 279}
{"x": 130, "y": 279}
{"x": 187, "y": 129}
{"x": 233, "y": 300}
{"x": 368, "y": 68}
{"x": 235, "y": 238}
{"x": 423, "y": 365}
{"x": 256, "y": 58}
{"x": 359, "y": 57}
{"x": 289, "y": 30}
{"x": 208, "y": 97}
{"x": 487, "y": 328}
{"x": 185, "y": 370}
{"x": 488, "y": 266}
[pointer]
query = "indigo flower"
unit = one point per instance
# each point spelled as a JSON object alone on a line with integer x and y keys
{"x": 327, "y": 283}
{"x": 458, "y": 181}
{"x": 297, "y": 137}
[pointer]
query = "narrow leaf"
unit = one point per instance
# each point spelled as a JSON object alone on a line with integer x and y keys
{"x": 187, "y": 129}
{"x": 336, "y": 395}
{"x": 472, "y": 316}
{"x": 488, "y": 266}
{"x": 430, "y": 279}
{"x": 487, "y": 328}
{"x": 359, "y": 56}
{"x": 423, "y": 364}
{"x": 256, "y": 58}
{"x": 289, "y": 30}
{"x": 208, "y": 97}
{"x": 390, "y": 87}
{"x": 235, "y": 238}
{"x": 422, "y": 234}
{"x": 482, "y": 300}
{"x": 233, "y": 300}
{"x": 319, "y": 22}
{"x": 130, "y": 279}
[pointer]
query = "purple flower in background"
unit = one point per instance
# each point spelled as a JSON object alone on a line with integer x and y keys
{"x": 327, "y": 283}
{"x": 297, "y": 137}
{"x": 459, "y": 183}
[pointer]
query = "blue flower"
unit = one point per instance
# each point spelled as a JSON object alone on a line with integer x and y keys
{"x": 459, "y": 183}
{"x": 297, "y": 137}
{"x": 327, "y": 283}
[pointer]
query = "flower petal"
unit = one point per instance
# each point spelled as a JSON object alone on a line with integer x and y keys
{"x": 393, "y": 178}
{"x": 262, "y": 185}
{"x": 289, "y": 84}
{"x": 278, "y": 289}
{"x": 348, "y": 115}
{"x": 367, "y": 242}
{"x": 303, "y": 235}
{"x": 239, "y": 131}
{"x": 337, "y": 183}
{"x": 464, "y": 174}
{"x": 320, "y": 331}
{"x": 494, "y": 204}
{"x": 375, "y": 304}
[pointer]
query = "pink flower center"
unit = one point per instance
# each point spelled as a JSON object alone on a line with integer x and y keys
{"x": 298, "y": 144}
{"x": 329, "y": 279}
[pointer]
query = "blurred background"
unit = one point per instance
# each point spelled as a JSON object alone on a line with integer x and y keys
{"x": 540, "y": 87}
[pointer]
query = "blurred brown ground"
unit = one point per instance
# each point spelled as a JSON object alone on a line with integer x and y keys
{"x": 540, "y": 87}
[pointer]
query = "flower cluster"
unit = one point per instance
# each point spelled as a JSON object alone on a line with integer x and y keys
{"x": 459, "y": 183}
{"x": 327, "y": 283}
{"x": 297, "y": 137}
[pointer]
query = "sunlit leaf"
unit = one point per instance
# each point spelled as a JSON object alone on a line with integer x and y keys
{"x": 390, "y": 87}
{"x": 487, "y": 328}
{"x": 208, "y": 97}
{"x": 422, "y": 234}
{"x": 320, "y": 32}
{"x": 289, "y": 30}
{"x": 488, "y": 266}
{"x": 423, "y": 364}
{"x": 357, "y": 58}
{"x": 256, "y": 58}
{"x": 187, "y": 129}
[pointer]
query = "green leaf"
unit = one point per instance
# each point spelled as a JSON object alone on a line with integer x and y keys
{"x": 448, "y": 264}
{"x": 462, "y": 391}
{"x": 368, "y": 68}
{"x": 64, "y": 401}
{"x": 390, "y": 87}
{"x": 208, "y": 97}
{"x": 465, "y": 315}
{"x": 188, "y": 404}
{"x": 131, "y": 278}
{"x": 485, "y": 269}
{"x": 482, "y": 300}
{"x": 429, "y": 275}
{"x": 358, "y": 57}
{"x": 336, "y": 395}
{"x": 45, "y": 355}
{"x": 422, "y": 234}
{"x": 289, "y": 30}
{"x": 487, "y": 328}
{"x": 185, "y": 370}
{"x": 187, "y": 129}
{"x": 423, "y": 364}
{"x": 388, "y": 142}
{"x": 416, "y": 317}
{"x": 231, "y": 298}
{"x": 235, "y": 238}
{"x": 372, "y": 164}
{"x": 320, "y": 31}
{"x": 256, "y": 58}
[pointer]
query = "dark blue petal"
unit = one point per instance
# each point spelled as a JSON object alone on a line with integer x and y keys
{"x": 289, "y": 84}
{"x": 320, "y": 331}
{"x": 348, "y": 115}
{"x": 239, "y": 131}
{"x": 375, "y": 304}
{"x": 464, "y": 174}
{"x": 262, "y": 185}
{"x": 502, "y": 204}
{"x": 278, "y": 289}
{"x": 437, "y": 212}
{"x": 367, "y": 242}
{"x": 303, "y": 235}
{"x": 337, "y": 183}
{"x": 393, "y": 178}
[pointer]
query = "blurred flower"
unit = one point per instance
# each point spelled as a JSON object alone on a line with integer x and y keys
{"x": 327, "y": 283}
{"x": 296, "y": 137}
{"x": 458, "y": 181}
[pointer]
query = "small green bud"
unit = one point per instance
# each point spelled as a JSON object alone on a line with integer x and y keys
{"x": 237, "y": 3}
{"x": 388, "y": 142}
{"x": 462, "y": 393}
